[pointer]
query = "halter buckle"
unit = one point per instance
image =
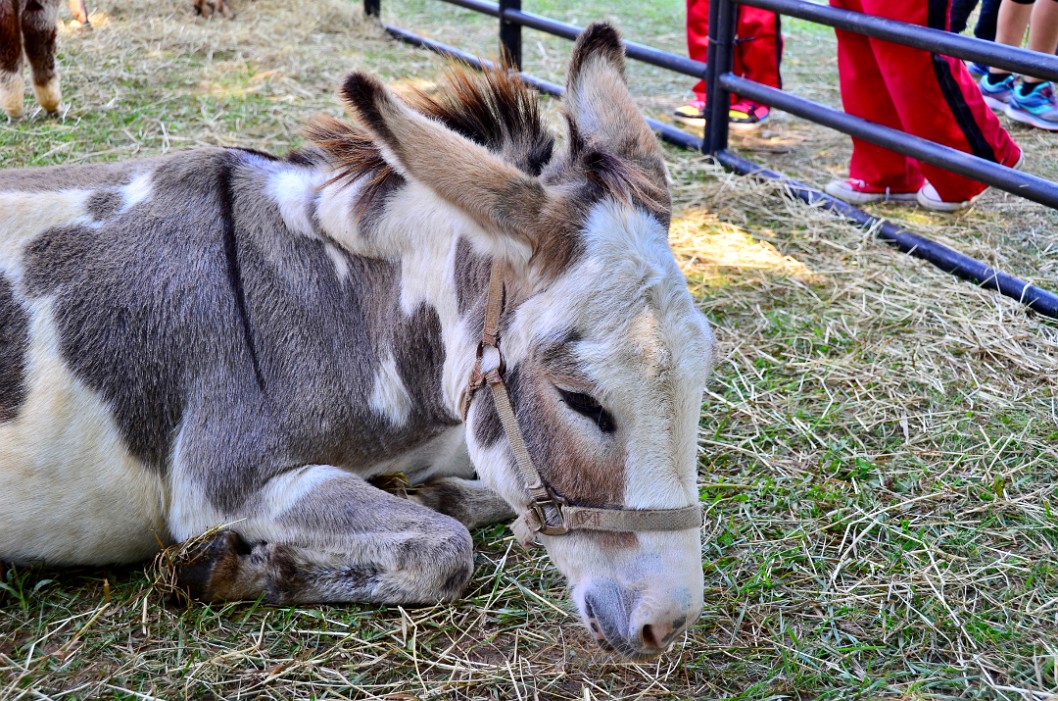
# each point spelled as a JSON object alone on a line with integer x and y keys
{"x": 536, "y": 515}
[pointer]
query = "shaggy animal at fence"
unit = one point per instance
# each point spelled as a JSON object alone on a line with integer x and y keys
{"x": 29, "y": 27}
{"x": 222, "y": 338}
{"x": 207, "y": 8}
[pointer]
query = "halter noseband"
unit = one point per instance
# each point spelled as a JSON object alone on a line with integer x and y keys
{"x": 547, "y": 512}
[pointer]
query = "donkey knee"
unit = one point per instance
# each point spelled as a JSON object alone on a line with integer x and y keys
{"x": 459, "y": 566}
{"x": 441, "y": 566}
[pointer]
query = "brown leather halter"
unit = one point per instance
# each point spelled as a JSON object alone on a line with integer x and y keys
{"x": 547, "y": 512}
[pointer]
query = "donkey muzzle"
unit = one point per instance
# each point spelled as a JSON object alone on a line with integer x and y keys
{"x": 634, "y": 623}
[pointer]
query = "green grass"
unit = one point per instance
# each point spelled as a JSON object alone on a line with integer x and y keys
{"x": 878, "y": 461}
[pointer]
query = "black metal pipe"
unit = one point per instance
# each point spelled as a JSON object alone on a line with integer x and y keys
{"x": 510, "y": 34}
{"x": 947, "y": 259}
{"x": 1021, "y": 184}
{"x": 934, "y": 40}
{"x": 486, "y": 8}
{"x": 468, "y": 58}
{"x": 723, "y": 15}
{"x": 639, "y": 52}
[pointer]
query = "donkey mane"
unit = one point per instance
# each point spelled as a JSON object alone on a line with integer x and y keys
{"x": 493, "y": 108}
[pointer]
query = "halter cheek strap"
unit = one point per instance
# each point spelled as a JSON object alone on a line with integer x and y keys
{"x": 548, "y": 513}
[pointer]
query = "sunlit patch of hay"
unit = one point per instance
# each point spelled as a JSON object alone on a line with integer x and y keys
{"x": 717, "y": 252}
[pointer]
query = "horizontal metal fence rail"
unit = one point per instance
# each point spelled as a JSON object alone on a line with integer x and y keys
{"x": 724, "y": 82}
{"x": 640, "y": 52}
{"x": 1030, "y": 187}
{"x": 935, "y": 40}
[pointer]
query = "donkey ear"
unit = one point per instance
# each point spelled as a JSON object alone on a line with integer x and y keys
{"x": 599, "y": 109}
{"x": 498, "y": 196}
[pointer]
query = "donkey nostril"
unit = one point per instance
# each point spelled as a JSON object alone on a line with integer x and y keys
{"x": 649, "y": 637}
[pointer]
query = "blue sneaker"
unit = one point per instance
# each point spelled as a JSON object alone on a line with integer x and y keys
{"x": 997, "y": 95}
{"x": 977, "y": 69}
{"x": 1037, "y": 107}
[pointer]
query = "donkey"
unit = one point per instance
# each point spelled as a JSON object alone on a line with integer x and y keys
{"x": 223, "y": 338}
{"x": 29, "y": 26}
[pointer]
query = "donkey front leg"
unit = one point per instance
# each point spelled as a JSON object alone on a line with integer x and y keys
{"x": 468, "y": 501}
{"x": 321, "y": 535}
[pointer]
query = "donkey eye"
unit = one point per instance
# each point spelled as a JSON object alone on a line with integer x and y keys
{"x": 587, "y": 406}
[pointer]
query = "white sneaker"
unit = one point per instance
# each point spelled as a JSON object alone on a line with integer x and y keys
{"x": 849, "y": 191}
{"x": 928, "y": 198}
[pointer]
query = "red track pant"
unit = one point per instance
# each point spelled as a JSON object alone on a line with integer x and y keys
{"x": 758, "y": 43}
{"x": 921, "y": 93}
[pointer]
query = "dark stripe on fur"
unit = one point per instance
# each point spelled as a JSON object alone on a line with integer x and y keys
{"x": 14, "y": 340}
{"x": 231, "y": 254}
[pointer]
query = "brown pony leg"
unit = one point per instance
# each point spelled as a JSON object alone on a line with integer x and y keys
{"x": 206, "y": 8}
{"x": 224, "y": 9}
{"x": 39, "y": 18}
{"x": 10, "y": 59}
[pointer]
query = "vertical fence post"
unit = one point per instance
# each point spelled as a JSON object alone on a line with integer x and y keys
{"x": 511, "y": 35}
{"x": 723, "y": 15}
{"x": 372, "y": 8}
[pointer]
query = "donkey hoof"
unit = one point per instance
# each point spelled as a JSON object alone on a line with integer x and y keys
{"x": 208, "y": 563}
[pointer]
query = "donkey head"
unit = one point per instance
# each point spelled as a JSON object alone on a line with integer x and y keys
{"x": 605, "y": 355}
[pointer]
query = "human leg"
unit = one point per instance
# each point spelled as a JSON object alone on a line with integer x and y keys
{"x": 937, "y": 99}
{"x": 1012, "y": 19}
{"x": 1034, "y": 100}
{"x": 984, "y": 29}
{"x": 997, "y": 85}
{"x": 758, "y": 55}
{"x": 987, "y": 20}
{"x": 698, "y": 38}
{"x": 80, "y": 13}
{"x": 960, "y": 12}
{"x": 873, "y": 170}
